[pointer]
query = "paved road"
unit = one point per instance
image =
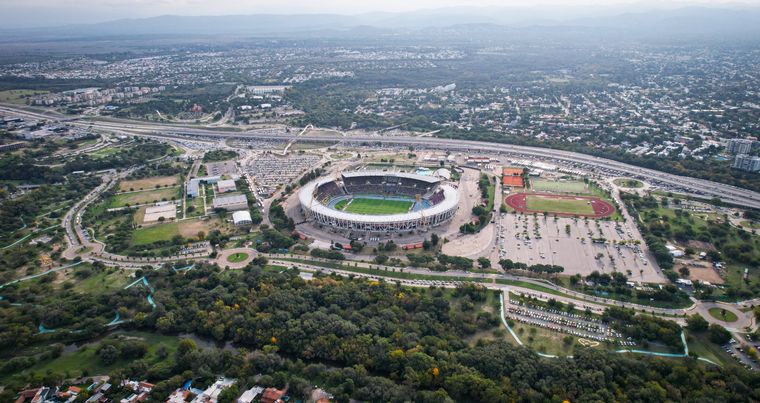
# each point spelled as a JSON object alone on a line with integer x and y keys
{"x": 679, "y": 184}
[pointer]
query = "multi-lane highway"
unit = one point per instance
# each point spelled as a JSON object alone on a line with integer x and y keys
{"x": 671, "y": 182}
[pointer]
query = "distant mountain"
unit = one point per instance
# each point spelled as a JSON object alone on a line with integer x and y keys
{"x": 675, "y": 23}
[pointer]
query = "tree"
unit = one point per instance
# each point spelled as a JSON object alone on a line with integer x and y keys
{"x": 108, "y": 354}
{"x": 696, "y": 323}
{"x": 484, "y": 262}
{"x": 719, "y": 334}
{"x": 228, "y": 395}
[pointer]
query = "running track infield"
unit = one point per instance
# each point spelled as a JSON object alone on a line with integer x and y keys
{"x": 601, "y": 207}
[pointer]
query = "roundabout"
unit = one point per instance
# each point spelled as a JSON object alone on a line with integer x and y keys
{"x": 236, "y": 258}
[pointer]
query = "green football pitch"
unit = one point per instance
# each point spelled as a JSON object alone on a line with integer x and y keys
{"x": 552, "y": 205}
{"x": 366, "y": 206}
{"x": 543, "y": 185}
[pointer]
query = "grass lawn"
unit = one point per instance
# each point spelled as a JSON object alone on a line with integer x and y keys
{"x": 569, "y": 206}
{"x": 361, "y": 205}
{"x": 543, "y": 185}
{"x": 546, "y": 341}
{"x": 148, "y": 183}
{"x": 86, "y": 358}
{"x": 628, "y": 183}
{"x": 186, "y": 228}
{"x": 105, "y": 152}
{"x": 700, "y": 344}
{"x": 718, "y": 313}
{"x": 101, "y": 283}
{"x": 146, "y": 196}
{"x": 18, "y": 96}
{"x": 237, "y": 257}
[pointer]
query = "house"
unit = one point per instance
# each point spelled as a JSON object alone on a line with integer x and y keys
{"x": 178, "y": 396}
{"x": 249, "y": 395}
{"x": 27, "y": 394}
{"x": 272, "y": 395}
{"x": 211, "y": 394}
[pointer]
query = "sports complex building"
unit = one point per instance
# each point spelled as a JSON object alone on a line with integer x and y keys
{"x": 378, "y": 201}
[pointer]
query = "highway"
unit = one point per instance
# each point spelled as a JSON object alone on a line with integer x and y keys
{"x": 676, "y": 183}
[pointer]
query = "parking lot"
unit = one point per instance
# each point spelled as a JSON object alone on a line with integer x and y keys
{"x": 570, "y": 243}
{"x": 270, "y": 170}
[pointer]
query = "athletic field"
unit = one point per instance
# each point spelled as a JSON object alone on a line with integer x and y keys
{"x": 367, "y": 206}
{"x": 553, "y": 205}
{"x": 564, "y": 205}
{"x": 543, "y": 185}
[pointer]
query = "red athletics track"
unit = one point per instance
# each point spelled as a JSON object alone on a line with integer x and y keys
{"x": 601, "y": 208}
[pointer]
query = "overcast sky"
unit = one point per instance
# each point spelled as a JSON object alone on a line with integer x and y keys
{"x": 20, "y": 13}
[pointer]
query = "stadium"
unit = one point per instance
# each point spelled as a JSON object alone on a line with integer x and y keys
{"x": 377, "y": 201}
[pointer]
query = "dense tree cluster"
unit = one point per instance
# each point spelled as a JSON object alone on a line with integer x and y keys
{"x": 219, "y": 155}
{"x": 363, "y": 340}
{"x": 128, "y": 156}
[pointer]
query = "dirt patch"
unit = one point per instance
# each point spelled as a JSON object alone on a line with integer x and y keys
{"x": 700, "y": 271}
{"x": 700, "y": 245}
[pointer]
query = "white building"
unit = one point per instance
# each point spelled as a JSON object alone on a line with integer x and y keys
{"x": 211, "y": 395}
{"x": 227, "y": 185}
{"x": 242, "y": 217}
{"x": 746, "y": 163}
{"x": 739, "y": 146}
{"x": 249, "y": 395}
{"x": 231, "y": 203}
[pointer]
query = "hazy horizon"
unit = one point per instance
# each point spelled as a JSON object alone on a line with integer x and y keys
{"x": 47, "y": 13}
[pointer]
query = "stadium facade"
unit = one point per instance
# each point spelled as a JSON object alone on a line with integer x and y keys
{"x": 434, "y": 202}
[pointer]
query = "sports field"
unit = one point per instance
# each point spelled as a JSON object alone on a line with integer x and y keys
{"x": 552, "y": 205}
{"x": 565, "y": 205}
{"x": 543, "y": 185}
{"x": 148, "y": 183}
{"x": 186, "y": 228}
{"x": 360, "y": 205}
{"x": 145, "y": 196}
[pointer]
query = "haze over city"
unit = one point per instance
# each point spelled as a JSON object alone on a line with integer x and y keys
{"x": 401, "y": 201}
{"x": 38, "y": 13}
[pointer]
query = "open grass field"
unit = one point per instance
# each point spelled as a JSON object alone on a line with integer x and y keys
{"x": 700, "y": 344}
{"x": 237, "y": 257}
{"x": 101, "y": 283}
{"x": 568, "y": 206}
{"x": 86, "y": 357}
{"x": 359, "y": 205}
{"x": 718, "y": 313}
{"x": 105, "y": 152}
{"x": 186, "y": 228}
{"x": 571, "y": 186}
{"x": 18, "y": 96}
{"x": 148, "y": 183}
{"x": 145, "y": 196}
{"x": 628, "y": 183}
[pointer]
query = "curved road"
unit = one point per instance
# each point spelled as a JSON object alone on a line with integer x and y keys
{"x": 677, "y": 183}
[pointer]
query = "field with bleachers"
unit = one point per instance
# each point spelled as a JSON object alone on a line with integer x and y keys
{"x": 371, "y": 206}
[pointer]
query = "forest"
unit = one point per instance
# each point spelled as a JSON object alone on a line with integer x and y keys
{"x": 371, "y": 341}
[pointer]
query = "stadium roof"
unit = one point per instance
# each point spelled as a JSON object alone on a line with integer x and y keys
{"x": 306, "y": 197}
{"x": 358, "y": 174}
